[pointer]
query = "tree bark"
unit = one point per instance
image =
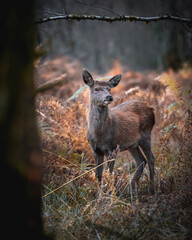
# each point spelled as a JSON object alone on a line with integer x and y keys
{"x": 19, "y": 145}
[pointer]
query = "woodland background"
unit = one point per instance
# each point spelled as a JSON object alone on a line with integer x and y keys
{"x": 138, "y": 46}
{"x": 44, "y": 132}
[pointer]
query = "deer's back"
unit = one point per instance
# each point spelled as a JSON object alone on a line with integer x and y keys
{"x": 125, "y": 127}
{"x": 140, "y": 111}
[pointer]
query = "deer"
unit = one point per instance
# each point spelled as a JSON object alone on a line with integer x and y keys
{"x": 126, "y": 126}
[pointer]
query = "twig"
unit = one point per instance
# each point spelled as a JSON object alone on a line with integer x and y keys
{"x": 54, "y": 13}
{"x": 122, "y": 18}
{"x": 50, "y": 84}
{"x": 73, "y": 164}
{"x": 76, "y": 178}
{"x": 98, "y": 236}
{"x": 44, "y": 116}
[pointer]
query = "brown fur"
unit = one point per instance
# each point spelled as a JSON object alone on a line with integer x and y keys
{"x": 127, "y": 126}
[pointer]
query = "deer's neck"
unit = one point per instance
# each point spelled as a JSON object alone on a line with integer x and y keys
{"x": 98, "y": 119}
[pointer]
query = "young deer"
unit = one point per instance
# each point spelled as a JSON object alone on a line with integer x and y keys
{"x": 127, "y": 126}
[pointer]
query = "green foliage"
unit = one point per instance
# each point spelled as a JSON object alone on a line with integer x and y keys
{"x": 45, "y": 130}
{"x": 167, "y": 130}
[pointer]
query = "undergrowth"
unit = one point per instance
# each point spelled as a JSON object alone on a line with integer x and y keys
{"x": 75, "y": 207}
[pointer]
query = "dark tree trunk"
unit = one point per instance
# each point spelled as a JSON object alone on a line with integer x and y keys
{"x": 19, "y": 145}
{"x": 171, "y": 40}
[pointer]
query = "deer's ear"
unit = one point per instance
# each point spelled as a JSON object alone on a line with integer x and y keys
{"x": 114, "y": 81}
{"x": 87, "y": 78}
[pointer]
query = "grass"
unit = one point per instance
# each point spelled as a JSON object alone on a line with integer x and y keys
{"x": 75, "y": 213}
{"x": 73, "y": 204}
{"x": 79, "y": 209}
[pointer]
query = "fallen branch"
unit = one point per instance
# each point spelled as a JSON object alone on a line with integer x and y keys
{"x": 115, "y": 19}
{"x": 50, "y": 84}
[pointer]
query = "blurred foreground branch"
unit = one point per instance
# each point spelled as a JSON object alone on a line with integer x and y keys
{"x": 115, "y": 19}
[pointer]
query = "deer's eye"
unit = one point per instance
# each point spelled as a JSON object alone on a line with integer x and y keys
{"x": 96, "y": 90}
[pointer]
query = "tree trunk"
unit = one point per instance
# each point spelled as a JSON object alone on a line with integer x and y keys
{"x": 19, "y": 145}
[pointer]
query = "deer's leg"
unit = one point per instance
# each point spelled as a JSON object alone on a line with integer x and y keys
{"x": 111, "y": 164}
{"x": 145, "y": 144}
{"x": 140, "y": 163}
{"x": 111, "y": 158}
{"x": 99, "y": 160}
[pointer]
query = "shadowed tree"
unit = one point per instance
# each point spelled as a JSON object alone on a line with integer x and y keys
{"x": 19, "y": 147}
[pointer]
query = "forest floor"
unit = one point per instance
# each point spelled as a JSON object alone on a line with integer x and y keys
{"x": 74, "y": 207}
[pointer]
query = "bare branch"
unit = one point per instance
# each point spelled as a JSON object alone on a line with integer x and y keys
{"x": 115, "y": 19}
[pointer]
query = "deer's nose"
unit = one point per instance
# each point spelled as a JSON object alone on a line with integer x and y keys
{"x": 109, "y": 98}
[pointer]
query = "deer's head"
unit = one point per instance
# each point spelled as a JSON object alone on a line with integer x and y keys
{"x": 100, "y": 94}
